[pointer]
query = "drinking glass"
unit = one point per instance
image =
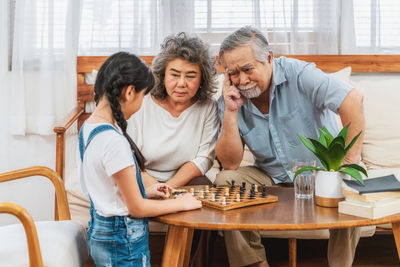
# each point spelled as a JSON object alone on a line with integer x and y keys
{"x": 304, "y": 182}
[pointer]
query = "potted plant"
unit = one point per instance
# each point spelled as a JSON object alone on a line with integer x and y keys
{"x": 328, "y": 179}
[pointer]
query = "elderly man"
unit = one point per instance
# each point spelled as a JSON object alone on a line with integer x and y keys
{"x": 265, "y": 103}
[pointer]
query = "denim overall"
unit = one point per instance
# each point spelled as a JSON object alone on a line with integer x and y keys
{"x": 117, "y": 240}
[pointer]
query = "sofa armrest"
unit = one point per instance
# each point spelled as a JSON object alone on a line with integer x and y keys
{"x": 60, "y": 130}
{"x": 35, "y": 256}
{"x": 62, "y": 211}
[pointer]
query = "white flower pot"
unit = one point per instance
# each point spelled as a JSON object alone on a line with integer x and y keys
{"x": 328, "y": 188}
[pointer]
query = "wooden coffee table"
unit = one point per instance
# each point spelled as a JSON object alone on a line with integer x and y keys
{"x": 286, "y": 214}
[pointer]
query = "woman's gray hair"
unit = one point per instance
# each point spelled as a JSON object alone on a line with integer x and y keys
{"x": 246, "y": 36}
{"x": 193, "y": 49}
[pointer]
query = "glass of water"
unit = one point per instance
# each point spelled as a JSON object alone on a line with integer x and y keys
{"x": 304, "y": 182}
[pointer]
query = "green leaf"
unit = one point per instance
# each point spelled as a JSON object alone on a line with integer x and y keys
{"x": 353, "y": 173}
{"x": 352, "y": 142}
{"x": 321, "y": 153}
{"x": 309, "y": 168}
{"x": 336, "y": 154}
{"x": 307, "y": 143}
{"x": 338, "y": 140}
{"x": 355, "y": 166}
{"x": 343, "y": 132}
{"x": 323, "y": 141}
{"x": 328, "y": 136}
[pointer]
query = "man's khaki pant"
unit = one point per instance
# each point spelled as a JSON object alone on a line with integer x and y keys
{"x": 245, "y": 247}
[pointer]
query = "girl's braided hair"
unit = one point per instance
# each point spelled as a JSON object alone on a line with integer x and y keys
{"x": 117, "y": 72}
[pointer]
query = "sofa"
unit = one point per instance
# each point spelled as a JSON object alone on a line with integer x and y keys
{"x": 380, "y": 153}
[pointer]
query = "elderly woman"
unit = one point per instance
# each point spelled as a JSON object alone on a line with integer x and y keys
{"x": 177, "y": 126}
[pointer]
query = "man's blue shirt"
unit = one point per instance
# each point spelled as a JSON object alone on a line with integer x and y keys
{"x": 302, "y": 99}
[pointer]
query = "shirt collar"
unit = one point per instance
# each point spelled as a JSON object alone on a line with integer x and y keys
{"x": 278, "y": 77}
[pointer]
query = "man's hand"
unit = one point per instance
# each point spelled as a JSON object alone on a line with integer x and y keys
{"x": 232, "y": 97}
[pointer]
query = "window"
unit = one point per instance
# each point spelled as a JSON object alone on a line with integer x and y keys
{"x": 214, "y": 19}
{"x": 377, "y": 25}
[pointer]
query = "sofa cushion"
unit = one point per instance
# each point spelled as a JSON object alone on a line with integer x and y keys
{"x": 381, "y": 148}
{"x": 62, "y": 243}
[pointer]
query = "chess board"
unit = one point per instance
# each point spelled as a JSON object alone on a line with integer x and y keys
{"x": 232, "y": 201}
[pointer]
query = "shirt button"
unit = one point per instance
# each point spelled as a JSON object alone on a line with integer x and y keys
{"x": 130, "y": 232}
{"x": 128, "y": 219}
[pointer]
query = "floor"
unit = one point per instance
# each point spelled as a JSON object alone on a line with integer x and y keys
{"x": 379, "y": 250}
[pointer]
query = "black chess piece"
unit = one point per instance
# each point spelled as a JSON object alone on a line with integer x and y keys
{"x": 253, "y": 186}
{"x": 244, "y": 185}
{"x": 233, "y": 184}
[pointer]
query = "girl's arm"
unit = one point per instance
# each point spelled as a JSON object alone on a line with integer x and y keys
{"x": 139, "y": 207}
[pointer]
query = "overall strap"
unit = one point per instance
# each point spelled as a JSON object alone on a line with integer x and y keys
{"x": 96, "y": 131}
{"x": 93, "y": 133}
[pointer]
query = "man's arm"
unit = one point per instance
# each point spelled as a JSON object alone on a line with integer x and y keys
{"x": 351, "y": 112}
{"x": 229, "y": 148}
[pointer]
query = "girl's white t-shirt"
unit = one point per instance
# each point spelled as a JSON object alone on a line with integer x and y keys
{"x": 167, "y": 142}
{"x": 108, "y": 153}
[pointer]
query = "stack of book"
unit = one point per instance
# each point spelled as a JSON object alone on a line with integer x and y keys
{"x": 379, "y": 197}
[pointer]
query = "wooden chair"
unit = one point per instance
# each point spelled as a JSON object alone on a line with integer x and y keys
{"x": 55, "y": 232}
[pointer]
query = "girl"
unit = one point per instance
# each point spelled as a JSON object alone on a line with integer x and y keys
{"x": 110, "y": 168}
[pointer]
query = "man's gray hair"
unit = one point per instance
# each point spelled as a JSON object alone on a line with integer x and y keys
{"x": 247, "y": 35}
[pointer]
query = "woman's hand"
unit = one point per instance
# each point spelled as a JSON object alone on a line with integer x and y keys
{"x": 189, "y": 202}
{"x": 158, "y": 190}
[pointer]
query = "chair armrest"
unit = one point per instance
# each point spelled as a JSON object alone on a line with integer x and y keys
{"x": 69, "y": 119}
{"x": 60, "y": 130}
{"x": 61, "y": 196}
{"x": 35, "y": 255}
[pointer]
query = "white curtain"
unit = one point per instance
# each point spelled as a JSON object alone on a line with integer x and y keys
{"x": 43, "y": 81}
{"x": 137, "y": 26}
{"x": 49, "y": 33}
{"x": 4, "y": 89}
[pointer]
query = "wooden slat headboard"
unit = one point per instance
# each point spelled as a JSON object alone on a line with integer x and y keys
{"x": 327, "y": 63}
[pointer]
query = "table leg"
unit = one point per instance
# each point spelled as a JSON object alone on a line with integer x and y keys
{"x": 292, "y": 252}
{"x": 396, "y": 233}
{"x": 177, "y": 246}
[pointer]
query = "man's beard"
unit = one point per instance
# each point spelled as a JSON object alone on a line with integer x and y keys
{"x": 254, "y": 92}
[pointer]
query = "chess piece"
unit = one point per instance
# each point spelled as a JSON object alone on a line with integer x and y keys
{"x": 212, "y": 197}
{"x": 253, "y": 186}
{"x": 256, "y": 188}
{"x": 223, "y": 201}
{"x": 237, "y": 197}
{"x": 233, "y": 184}
{"x": 227, "y": 191}
{"x": 167, "y": 194}
{"x": 201, "y": 194}
{"x": 207, "y": 189}
{"x": 244, "y": 185}
{"x": 192, "y": 191}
